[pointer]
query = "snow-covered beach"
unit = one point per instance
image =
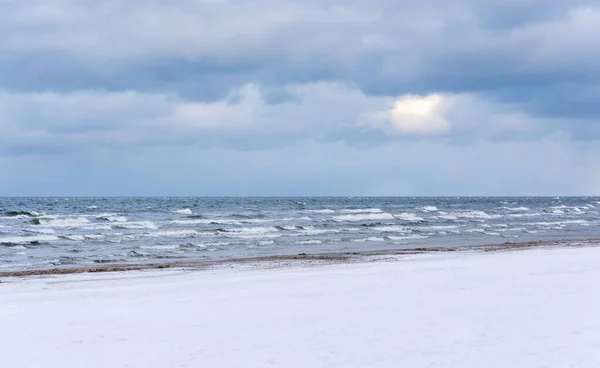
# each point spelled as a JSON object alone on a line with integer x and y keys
{"x": 529, "y": 308}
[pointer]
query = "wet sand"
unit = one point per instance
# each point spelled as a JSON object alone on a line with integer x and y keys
{"x": 304, "y": 258}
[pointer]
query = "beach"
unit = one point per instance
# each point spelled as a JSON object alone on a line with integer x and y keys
{"x": 534, "y": 307}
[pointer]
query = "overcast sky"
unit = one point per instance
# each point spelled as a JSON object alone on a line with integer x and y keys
{"x": 307, "y": 97}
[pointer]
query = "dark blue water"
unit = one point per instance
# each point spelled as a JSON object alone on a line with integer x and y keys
{"x": 38, "y": 233}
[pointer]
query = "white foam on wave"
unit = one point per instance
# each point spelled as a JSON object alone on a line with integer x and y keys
{"x": 440, "y": 227}
{"x": 370, "y": 239}
{"x": 207, "y": 222}
{"x": 429, "y": 209}
{"x": 40, "y": 231}
{"x": 520, "y": 215}
{"x": 561, "y": 223}
{"x": 407, "y": 237}
{"x": 406, "y": 216}
{"x": 393, "y": 229}
{"x": 92, "y": 207}
{"x": 112, "y": 217}
{"x": 73, "y": 237}
{"x": 364, "y": 217}
{"x": 321, "y": 211}
{"x": 94, "y": 236}
{"x": 28, "y": 239}
{"x": 475, "y": 215}
{"x": 185, "y": 211}
{"x": 176, "y": 234}
{"x": 307, "y": 242}
{"x": 219, "y": 221}
{"x": 159, "y": 247}
{"x": 516, "y": 209}
{"x": 313, "y": 231}
{"x": 445, "y": 216}
{"x": 561, "y": 210}
{"x": 362, "y": 210}
{"x": 63, "y": 222}
{"x": 252, "y": 233}
{"x": 136, "y": 225}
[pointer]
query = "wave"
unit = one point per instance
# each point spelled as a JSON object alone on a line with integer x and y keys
{"x": 561, "y": 210}
{"x": 39, "y": 231}
{"x": 251, "y": 232}
{"x": 409, "y": 217}
{"x": 393, "y": 229}
{"x": 407, "y": 237}
{"x": 159, "y": 247}
{"x": 61, "y": 222}
{"x": 324, "y": 211}
{"x": 516, "y": 209}
{"x": 177, "y": 234}
{"x": 72, "y": 237}
{"x": 185, "y": 211}
{"x": 445, "y": 216}
{"x": 112, "y": 217}
{"x": 308, "y": 242}
{"x": 29, "y": 239}
{"x": 429, "y": 209}
{"x": 560, "y": 223}
{"x": 362, "y": 210}
{"x": 364, "y": 217}
{"x": 369, "y": 239}
{"x": 22, "y": 214}
{"x": 475, "y": 215}
{"x": 135, "y": 225}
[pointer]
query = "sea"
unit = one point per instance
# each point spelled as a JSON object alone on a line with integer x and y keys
{"x": 45, "y": 233}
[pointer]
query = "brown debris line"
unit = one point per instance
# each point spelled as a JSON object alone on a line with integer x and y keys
{"x": 333, "y": 257}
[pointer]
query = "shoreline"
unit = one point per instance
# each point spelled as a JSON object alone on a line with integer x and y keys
{"x": 304, "y": 258}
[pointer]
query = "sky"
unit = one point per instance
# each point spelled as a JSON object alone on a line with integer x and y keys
{"x": 306, "y": 97}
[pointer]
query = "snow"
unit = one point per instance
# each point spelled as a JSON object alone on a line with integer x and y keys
{"x": 534, "y": 308}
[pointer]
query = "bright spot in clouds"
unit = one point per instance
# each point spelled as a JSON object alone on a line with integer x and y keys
{"x": 416, "y": 115}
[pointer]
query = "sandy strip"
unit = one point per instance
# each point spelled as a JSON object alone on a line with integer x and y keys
{"x": 303, "y": 258}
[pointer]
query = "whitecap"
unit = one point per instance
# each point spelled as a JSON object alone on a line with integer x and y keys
{"x": 62, "y": 222}
{"x": 516, "y": 209}
{"x": 159, "y": 247}
{"x": 393, "y": 229}
{"x": 474, "y": 215}
{"x": 321, "y": 211}
{"x": 185, "y": 211}
{"x": 407, "y": 237}
{"x": 135, "y": 225}
{"x": 111, "y": 217}
{"x": 362, "y": 210}
{"x": 175, "y": 234}
{"x": 40, "y": 231}
{"x": 409, "y": 217}
{"x": 93, "y": 236}
{"x": 429, "y": 209}
{"x": 307, "y": 242}
{"x": 72, "y": 237}
{"x": 364, "y": 217}
{"x": 28, "y": 239}
{"x": 252, "y": 233}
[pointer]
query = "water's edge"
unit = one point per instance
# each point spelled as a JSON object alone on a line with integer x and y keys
{"x": 302, "y": 259}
